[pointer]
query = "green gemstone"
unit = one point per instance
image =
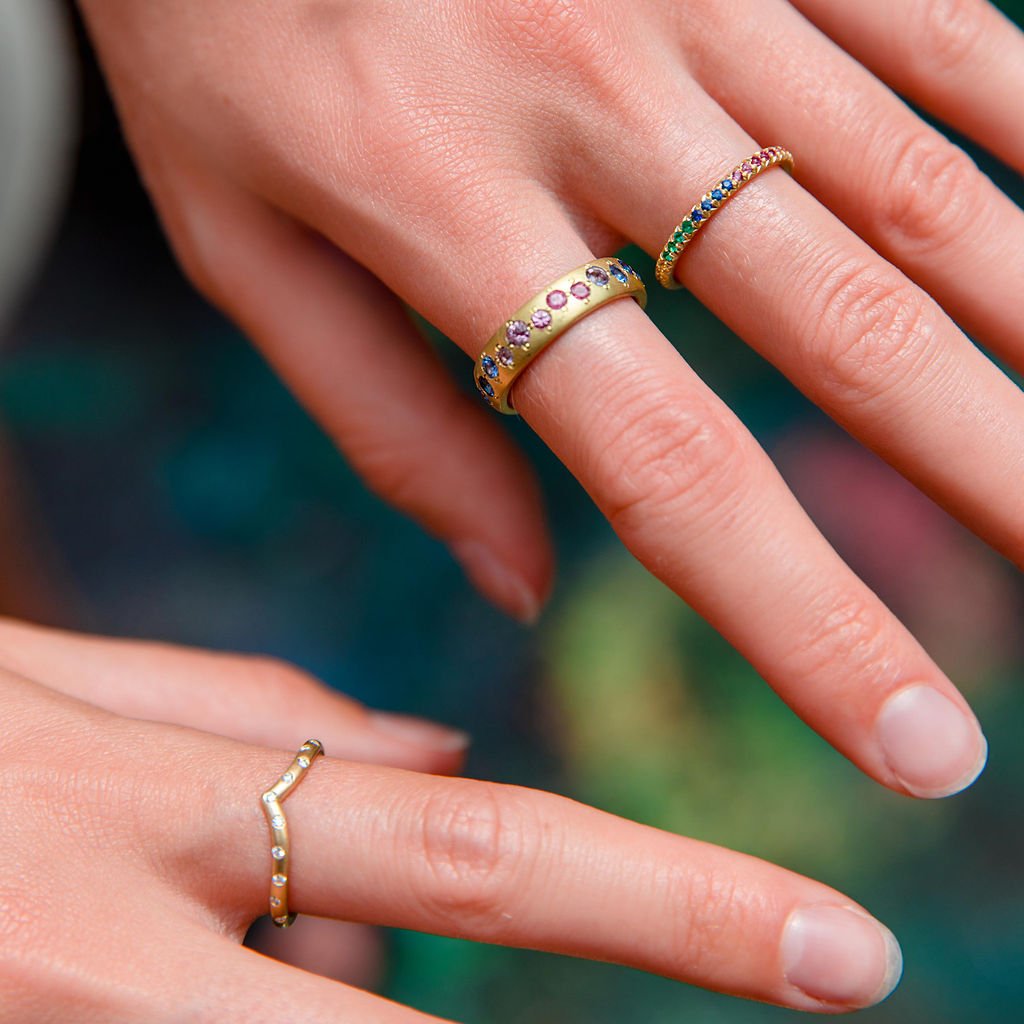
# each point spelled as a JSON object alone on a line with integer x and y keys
{"x": 687, "y": 226}
{"x": 671, "y": 250}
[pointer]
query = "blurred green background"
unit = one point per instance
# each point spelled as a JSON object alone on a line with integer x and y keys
{"x": 175, "y": 490}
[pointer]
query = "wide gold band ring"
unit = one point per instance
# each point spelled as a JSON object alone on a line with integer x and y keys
{"x": 280, "y": 850}
{"x": 713, "y": 200}
{"x": 544, "y": 318}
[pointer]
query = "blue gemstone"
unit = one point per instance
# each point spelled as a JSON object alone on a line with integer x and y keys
{"x": 619, "y": 274}
{"x": 707, "y": 205}
{"x": 718, "y": 195}
{"x": 490, "y": 367}
{"x": 696, "y": 216}
{"x": 484, "y": 385}
{"x": 628, "y": 269}
{"x": 728, "y": 185}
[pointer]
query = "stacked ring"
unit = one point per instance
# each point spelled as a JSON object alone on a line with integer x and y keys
{"x": 280, "y": 851}
{"x": 544, "y": 318}
{"x": 711, "y": 201}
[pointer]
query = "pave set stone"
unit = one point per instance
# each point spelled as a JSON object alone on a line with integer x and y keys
{"x": 517, "y": 333}
{"x": 708, "y": 203}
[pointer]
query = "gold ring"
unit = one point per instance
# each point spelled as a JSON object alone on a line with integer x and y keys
{"x": 280, "y": 851}
{"x": 712, "y": 200}
{"x": 544, "y": 318}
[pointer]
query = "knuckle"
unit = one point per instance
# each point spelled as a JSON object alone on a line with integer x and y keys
{"x": 475, "y": 840}
{"x": 663, "y": 452}
{"x": 934, "y": 194}
{"x": 271, "y": 677}
{"x": 714, "y": 913}
{"x": 949, "y": 34}
{"x": 874, "y": 333}
{"x": 852, "y": 631}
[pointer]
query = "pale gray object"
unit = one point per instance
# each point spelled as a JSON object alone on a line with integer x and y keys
{"x": 37, "y": 126}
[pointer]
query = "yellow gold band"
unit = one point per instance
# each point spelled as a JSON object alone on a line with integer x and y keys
{"x": 544, "y": 318}
{"x": 280, "y": 851}
{"x": 709, "y": 203}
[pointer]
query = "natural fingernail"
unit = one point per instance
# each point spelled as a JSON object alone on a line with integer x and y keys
{"x": 497, "y": 581}
{"x": 932, "y": 746}
{"x": 840, "y": 956}
{"x": 419, "y": 732}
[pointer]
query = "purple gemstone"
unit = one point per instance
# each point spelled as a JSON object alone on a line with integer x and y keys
{"x": 597, "y": 275}
{"x": 505, "y": 356}
{"x": 541, "y": 319}
{"x": 747, "y": 169}
{"x": 580, "y": 290}
{"x": 517, "y": 332}
{"x": 557, "y": 299}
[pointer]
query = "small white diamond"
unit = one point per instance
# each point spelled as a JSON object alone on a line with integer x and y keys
{"x": 277, "y": 821}
{"x": 287, "y": 777}
{"x": 278, "y": 879}
{"x": 278, "y": 853}
{"x": 303, "y": 762}
{"x": 281, "y": 920}
{"x": 275, "y": 901}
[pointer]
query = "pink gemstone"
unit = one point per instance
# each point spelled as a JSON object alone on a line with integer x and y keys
{"x": 737, "y": 177}
{"x": 517, "y": 332}
{"x": 755, "y": 161}
{"x": 541, "y": 319}
{"x": 747, "y": 169}
{"x": 580, "y": 290}
{"x": 557, "y": 299}
{"x": 505, "y": 356}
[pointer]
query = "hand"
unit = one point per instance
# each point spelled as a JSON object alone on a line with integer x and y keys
{"x": 140, "y": 829}
{"x": 307, "y": 159}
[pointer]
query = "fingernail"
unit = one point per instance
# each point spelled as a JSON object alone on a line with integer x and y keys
{"x": 501, "y": 584}
{"x": 419, "y": 732}
{"x": 840, "y": 956}
{"x": 932, "y": 746}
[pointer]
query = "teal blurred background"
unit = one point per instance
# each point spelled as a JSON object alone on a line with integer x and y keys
{"x": 161, "y": 482}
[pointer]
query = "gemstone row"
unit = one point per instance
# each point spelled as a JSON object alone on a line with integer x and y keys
{"x": 518, "y": 333}
{"x": 710, "y": 202}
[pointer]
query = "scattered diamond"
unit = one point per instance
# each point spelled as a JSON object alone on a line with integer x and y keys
{"x": 278, "y": 852}
{"x": 278, "y": 880}
{"x": 302, "y": 761}
{"x": 277, "y": 821}
{"x": 287, "y": 778}
{"x": 275, "y": 901}
{"x": 268, "y": 797}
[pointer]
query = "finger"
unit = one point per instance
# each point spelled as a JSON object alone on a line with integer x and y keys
{"x": 511, "y": 866}
{"x": 257, "y": 700}
{"x": 353, "y": 357}
{"x": 915, "y": 197}
{"x": 238, "y": 986}
{"x": 686, "y": 487}
{"x": 962, "y": 60}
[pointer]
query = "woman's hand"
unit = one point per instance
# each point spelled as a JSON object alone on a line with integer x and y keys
{"x": 308, "y": 158}
{"x": 134, "y": 830}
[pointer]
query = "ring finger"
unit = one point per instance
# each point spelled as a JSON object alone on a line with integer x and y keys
{"x": 512, "y": 866}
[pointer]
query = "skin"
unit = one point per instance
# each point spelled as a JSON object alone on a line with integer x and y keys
{"x": 313, "y": 161}
{"x": 155, "y": 829}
